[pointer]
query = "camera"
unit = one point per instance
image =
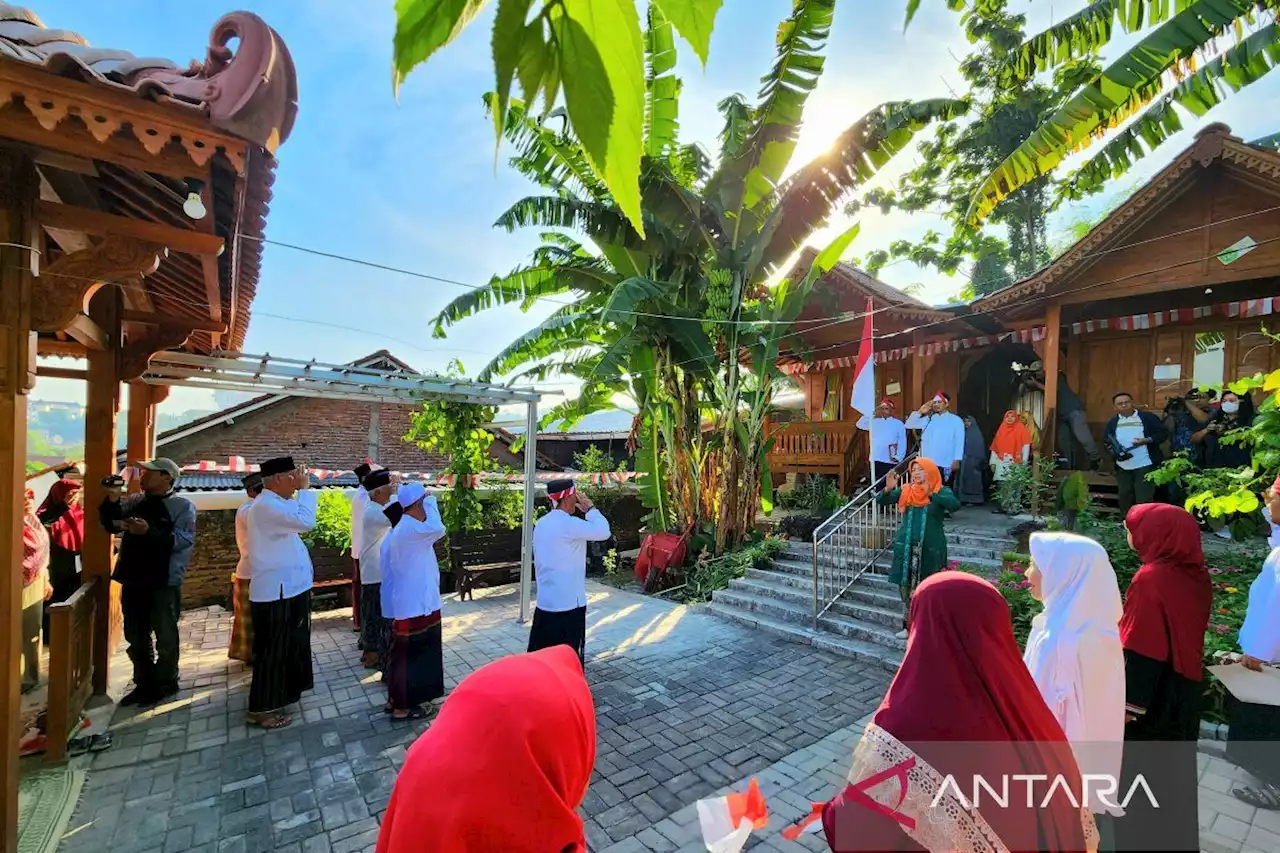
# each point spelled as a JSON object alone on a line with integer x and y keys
{"x": 1174, "y": 404}
{"x": 115, "y": 481}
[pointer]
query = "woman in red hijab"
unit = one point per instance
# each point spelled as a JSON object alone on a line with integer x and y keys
{"x": 504, "y": 766}
{"x": 1166, "y": 612}
{"x": 63, "y": 514}
{"x": 962, "y": 706}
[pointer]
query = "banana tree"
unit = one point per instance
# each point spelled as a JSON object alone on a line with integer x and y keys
{"x": 679, "y": 316}
{"x": 1175, "y": 66}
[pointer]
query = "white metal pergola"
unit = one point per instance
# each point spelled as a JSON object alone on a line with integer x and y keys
{"x": 268, "y": 374}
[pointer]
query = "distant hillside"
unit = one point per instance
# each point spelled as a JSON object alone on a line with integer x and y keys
{"x": 55, "y": 430}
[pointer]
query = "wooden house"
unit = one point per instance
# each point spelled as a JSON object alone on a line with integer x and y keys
{"x": 1172, "y": 288}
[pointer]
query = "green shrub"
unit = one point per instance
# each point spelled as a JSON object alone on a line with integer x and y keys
{"x": 817, "y": 494}
{"x": 707, "y": 575}
{"x": 333, "y": 522}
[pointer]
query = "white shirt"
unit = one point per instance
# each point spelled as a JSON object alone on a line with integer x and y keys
{"x": 1129, "y": 430}
{"x": 358, "y": 502}
{"x": 374, "y": 527}
{"x": 885, "y": 433}
{"x": 560, "y": 557}
{"x": 942, "y": 439}
{"x": 410, "y": 574}
{"x": 243, "y": 570}
{"x": 279, "y": 562}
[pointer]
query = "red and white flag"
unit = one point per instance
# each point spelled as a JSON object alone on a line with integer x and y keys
{"x": 727, "y": 821}
{"x": 864, "y": 379}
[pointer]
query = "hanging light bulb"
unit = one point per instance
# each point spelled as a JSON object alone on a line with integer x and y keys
{"x": 194, "y": 206}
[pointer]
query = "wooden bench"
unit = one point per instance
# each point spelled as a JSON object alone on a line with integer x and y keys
{"x": 331, "y": 574}
{"x": 488, "y": 556}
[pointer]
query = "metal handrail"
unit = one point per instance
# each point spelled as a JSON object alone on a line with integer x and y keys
{"x": 850, "y": 542}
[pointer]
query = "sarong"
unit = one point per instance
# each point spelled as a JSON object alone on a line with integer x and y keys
{"x": 560, "y": 628}
{"x": 415, "y": 662}
{"x": 355, "y": 597}
{"x": 375, "y": 631}
{"x": 242, "y": 626}
{"x": 281, "y": 652}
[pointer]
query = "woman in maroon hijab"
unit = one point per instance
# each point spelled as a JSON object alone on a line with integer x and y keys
{"x": 962, "y": 706}
{"x": 1166, "y": 612}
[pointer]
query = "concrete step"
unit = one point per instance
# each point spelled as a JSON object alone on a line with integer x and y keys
{"x": 879, "y": 610}
{"x": 887, "y": 659}
{"x": 802, "y": 614}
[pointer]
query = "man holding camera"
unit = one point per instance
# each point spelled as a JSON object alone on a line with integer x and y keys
{"x": 157, "y": 530}
{"x": 1071, "y": 417}
{"x": 1134, "y": 437}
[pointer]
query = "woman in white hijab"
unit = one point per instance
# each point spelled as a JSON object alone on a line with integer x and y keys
{"x": 1253, "y": 738}
{"x": 1074, "y": 652}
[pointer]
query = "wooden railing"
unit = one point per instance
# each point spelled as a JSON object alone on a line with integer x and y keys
{"x": 70, "y": 667}
{"x": 813, "y": 439}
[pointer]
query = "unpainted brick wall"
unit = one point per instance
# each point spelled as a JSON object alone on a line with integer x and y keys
{"x": 213, "y": 559}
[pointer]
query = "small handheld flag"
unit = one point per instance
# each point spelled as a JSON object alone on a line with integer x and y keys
{"x": 727, "y": 821}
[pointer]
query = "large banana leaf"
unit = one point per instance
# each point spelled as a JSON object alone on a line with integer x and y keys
{"x": 527, "y": 284}
{"x": 557, "y": 334}
{"x": 550, "y": 159}
{"x": 1120, "y": 90}
{"x": 602, "y": 221}
{"x": 1086, "y": 32}
{"x": 809, "y": 196}
{"x": 662, "y": 87}
{"x": 593, "y": 397}
{"x": 747, "y": 179}
{"x": 1234, "y": 69}
{"x": 651, "y": 469}
{"x": 631, "y": 294}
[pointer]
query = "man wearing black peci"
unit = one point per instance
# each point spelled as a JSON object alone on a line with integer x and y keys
{"x": 560, "y": 565}
{"x": 157, "y": 530}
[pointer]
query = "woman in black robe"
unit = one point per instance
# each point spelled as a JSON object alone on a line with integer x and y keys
{"x": 1166, "y": 612}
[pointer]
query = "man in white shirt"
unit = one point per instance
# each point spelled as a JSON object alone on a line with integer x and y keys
{"x": 410, "y": 593}
{"x": 941, "y": 434}
{"x": 242, "y": 627}
{"x": 358, "y": 502}
{"x": 1134, "y": 438}
{"x": 560, "y": 567}
{"x": 888, "y": 439}
{"x": 374, "y": 527}
{"x": 280, "y": 591}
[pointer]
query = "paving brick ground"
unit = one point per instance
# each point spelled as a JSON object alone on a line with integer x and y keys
{"x": 686, "y": 704}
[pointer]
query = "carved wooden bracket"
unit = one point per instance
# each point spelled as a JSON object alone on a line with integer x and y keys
{"x": 137, "y": 355}
{"x": 64, "y": 287}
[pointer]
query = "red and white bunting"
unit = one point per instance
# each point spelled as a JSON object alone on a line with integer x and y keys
{"x": 1129, "y": 323}
{"x": 237, "y": 465}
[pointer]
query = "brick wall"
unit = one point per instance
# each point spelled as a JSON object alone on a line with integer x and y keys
{"x": 212, "y": 561}
{"x": 323, "y": 433}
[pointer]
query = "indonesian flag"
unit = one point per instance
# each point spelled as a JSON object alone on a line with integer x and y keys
{"x": 864, "y": 378}
{"x": 727, "y": 821}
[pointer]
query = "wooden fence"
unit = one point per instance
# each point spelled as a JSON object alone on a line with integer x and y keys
{"x": 70, "y": 667}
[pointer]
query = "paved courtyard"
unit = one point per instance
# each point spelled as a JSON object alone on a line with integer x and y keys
{"x": 687, "y": 705}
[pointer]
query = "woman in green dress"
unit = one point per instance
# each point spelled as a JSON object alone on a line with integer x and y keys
{"x": 920, "y": 547}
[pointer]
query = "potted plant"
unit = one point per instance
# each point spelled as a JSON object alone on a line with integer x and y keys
{"x": 1011, "y": 561}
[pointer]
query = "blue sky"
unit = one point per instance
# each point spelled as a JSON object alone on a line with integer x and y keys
{"x": 413, "y": 184}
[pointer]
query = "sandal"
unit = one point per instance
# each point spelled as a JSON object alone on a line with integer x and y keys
{"x": 270, "y": 721}
{"x": 416, "y": 713}
{"x": 1265, "y": 797}
{"x": 100, "y": 742}
{"x": 78, "y": 746}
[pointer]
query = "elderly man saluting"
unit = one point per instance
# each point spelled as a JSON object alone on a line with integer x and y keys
{"x": 280, "y": 591}
{"x": 560, "y": 566}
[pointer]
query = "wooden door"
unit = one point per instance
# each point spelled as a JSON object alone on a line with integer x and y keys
{"x": 1115, "y": 365}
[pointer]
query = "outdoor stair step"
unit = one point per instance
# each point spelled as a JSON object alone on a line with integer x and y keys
{"x": 885, "y": 658}
{"x": 885, "y": 611}
{"x": 869, "y": 589}
{"x": 845, "y": 626}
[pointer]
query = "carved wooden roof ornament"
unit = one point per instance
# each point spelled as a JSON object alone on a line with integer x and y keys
{"x": 67, "y": 284}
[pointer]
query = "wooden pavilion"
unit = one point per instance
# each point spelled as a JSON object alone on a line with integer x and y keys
{"x": 1172, "y": 288}
{"x": 133, "y": 198}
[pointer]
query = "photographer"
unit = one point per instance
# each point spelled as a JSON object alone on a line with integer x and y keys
{"x": 1235, "y": 413}
{"x": 1134, "y": 438}
{"x": 1070, "y": 415}
{"x": 157, "y": 531}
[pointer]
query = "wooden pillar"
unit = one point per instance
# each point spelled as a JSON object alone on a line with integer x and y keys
{"x": 1052, "y": 366}
{"x": 19, "y": 189}
{"x": 102, "y": 406}
{"x": 913, "y": 394}
{"x": 141, "y": 426}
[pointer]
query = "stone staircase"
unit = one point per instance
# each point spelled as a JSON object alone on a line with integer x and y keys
{"x": 863, "y": 623}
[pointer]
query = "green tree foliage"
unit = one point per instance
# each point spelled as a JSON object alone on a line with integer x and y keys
{"x": 678, "y": 316}
{"x": 963, "y": 153}
{"x": 456, "y": 430}
{"x": 1178, "y": 65}
{"x": 333, "y": 522}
